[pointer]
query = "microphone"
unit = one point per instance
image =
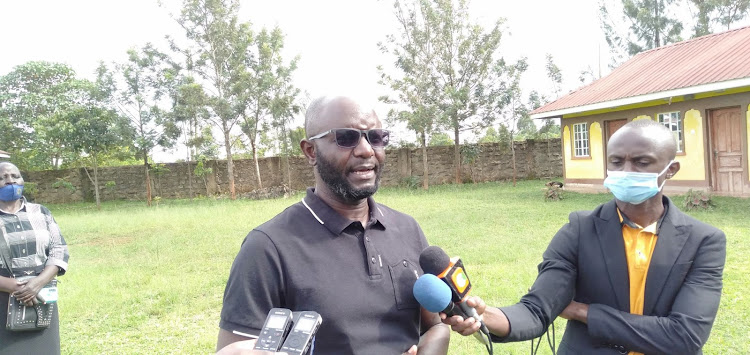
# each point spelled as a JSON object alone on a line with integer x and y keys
{"x": 435, "y": 261}
{"x": 435, "y": 296}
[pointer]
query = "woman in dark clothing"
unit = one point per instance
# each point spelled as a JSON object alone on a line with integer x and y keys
{"x": 35, "y": 243}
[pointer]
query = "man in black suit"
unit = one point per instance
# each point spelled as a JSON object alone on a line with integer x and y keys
{"x": 635, "y": 275}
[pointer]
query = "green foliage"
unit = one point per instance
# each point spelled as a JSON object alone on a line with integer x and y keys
{"x": 440, "y": 139}
{"x": 110, "y": 185}
{"x": 159, "y": 169}
{"x": 201, "y": 170}
{"x": 698, "y": 200}
{"x": 709, "y": 13}
{"x": 62, "y": 182}
{"x": 30, "y": 189}
{"x": 448, "y": 69}
{"x": 470, "y": 153}
{"x": 34, "y": 97}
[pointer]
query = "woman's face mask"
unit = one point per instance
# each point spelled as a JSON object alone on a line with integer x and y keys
{"x": 11, "y": 192}
{"x": 634, "y": 187}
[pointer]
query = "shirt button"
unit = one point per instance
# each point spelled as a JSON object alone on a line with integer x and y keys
{"x": 373, "y": 260}
{"x": 367, "y": 239}
{"x": 405, "y": 263}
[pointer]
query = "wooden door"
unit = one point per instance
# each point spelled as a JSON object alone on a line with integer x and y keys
{"x": 726, "y": 151}
{"x": 613, "y": 126}
{"x": 610, "y": 127}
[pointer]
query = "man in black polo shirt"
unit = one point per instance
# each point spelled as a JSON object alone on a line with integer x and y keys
{"x": 337, "y": 252}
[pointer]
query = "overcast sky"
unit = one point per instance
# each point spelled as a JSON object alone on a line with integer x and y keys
{"x": 336, "y": 39}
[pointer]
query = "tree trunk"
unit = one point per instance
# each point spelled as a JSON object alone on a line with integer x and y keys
{"x": 257, "y": 168}
{"x": 230, "y": 163}
{"x": 513, "y": 158}
{"x": 288, "y": 173}
{"x": 148, "y": 179}
{"x": 96, "y": 182}
{"x": 457, "y": 152}
{"x": 426, "y": 177}
{"x": 189, "y": 173}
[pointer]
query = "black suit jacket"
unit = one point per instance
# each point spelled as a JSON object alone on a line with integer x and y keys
{"x": 585, "y": 261}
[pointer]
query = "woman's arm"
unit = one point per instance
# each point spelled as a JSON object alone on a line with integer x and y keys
{"x": 28, "y": 290}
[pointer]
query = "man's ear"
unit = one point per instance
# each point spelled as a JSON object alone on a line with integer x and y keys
{"x": 673, "y": 169}
{"x": 308, "y": 149}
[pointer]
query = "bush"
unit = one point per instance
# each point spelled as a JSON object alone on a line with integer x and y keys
{"x": 411, "y": 182}
{"x": 553, "y": 193}
{"x": 698, "y": 200}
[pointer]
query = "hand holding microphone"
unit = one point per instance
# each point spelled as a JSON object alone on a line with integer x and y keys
{"x": 438, "y": 266}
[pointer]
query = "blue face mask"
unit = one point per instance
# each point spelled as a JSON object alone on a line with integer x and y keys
{"x": 633, "y": 187}
{"x": 11, "y": 192}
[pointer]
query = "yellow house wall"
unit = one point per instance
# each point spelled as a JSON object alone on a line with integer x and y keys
{"x": 585, "y": 168}
{"x": 692, "y": 163}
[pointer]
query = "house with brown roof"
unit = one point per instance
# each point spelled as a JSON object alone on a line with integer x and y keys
{"x": 4, "y": 155}
{"x": 699, "y": 88}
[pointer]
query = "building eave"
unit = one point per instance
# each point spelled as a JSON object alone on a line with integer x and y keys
{"x": 716, "y": 87}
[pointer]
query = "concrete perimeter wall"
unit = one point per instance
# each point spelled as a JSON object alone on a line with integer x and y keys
{"x": 493, "y": 162}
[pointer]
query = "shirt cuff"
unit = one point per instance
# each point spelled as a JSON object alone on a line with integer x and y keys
{"x": 59, "y": 263}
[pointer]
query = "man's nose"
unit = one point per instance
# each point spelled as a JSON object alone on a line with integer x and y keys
{"x": 364, "y": 149}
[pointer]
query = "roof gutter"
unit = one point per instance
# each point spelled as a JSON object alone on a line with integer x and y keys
{"x": 717, "y": 86}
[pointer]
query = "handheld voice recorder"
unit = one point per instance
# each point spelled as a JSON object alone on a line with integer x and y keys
{"x": 277, "y": 325}
{"x": 300, "y": 339}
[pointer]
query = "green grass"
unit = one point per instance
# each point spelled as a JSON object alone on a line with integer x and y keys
{"x": 150, "y": 280}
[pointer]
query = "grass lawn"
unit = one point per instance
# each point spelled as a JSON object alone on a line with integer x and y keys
{"x": 150, "y": 280}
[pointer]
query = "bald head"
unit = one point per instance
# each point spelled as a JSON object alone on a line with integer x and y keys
{"x": 8, "y": 165}
{"x": 328, "y": 112}
{"x": 661, "y": 138}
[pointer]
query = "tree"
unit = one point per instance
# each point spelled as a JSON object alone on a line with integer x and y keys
{"x": 722, "y": 12}
{"x": 414, "y": 52}
{"x": 440, "y": 139}
{"x": 446, "y": 63}
{"x": 490, "y": 136}
{"x": 651, "y": 24}
{"x": 510, "y": 105}
{"x": 146, "y": 77}
{"x": 97, "y": 128}
{"x": 30, "y": 95}
{"x": 555, "y": 75}
{"x": 190, "y": 114}
{"x": 220, "y": 46}
{"x": 270, "y": 96}
{"x": 731, "y": 11}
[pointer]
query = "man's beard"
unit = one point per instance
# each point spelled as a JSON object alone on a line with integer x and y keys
{"x": 336, "y": 181}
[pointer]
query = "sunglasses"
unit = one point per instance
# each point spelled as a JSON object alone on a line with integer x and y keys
{"x": 350, "y": 137}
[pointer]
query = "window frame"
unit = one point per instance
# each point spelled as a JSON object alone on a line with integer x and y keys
{"x": 586, "y": 138}
{"x": 679, "y": 133}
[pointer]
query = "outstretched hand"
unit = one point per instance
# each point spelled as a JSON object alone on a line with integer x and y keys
{"x": 469, "y": 325}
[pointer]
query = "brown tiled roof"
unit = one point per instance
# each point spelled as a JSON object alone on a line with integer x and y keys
{"x": 704, "y": 60}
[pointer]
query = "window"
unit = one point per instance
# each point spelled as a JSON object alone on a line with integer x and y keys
{"x": 580, "y": 140}
{"x": 673, "y": 121}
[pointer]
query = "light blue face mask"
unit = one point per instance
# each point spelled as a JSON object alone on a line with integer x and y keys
{"x": 11, "y": 192}
{"x": 633, "y": 187}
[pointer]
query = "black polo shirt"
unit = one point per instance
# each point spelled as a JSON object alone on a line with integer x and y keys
{"x": 310, "y": 258}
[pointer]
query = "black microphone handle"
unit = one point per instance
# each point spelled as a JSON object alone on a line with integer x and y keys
{"x": 471, "y": 312}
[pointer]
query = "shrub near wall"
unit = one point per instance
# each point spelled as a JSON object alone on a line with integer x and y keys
{"x": 534, "y": 159}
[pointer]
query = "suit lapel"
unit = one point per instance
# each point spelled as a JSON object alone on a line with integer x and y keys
{"x": 609, "y": 231}
{"x": 672, "y": 238}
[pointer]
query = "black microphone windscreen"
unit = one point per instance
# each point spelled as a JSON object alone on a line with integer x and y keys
{"x": 434, "y": 260}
